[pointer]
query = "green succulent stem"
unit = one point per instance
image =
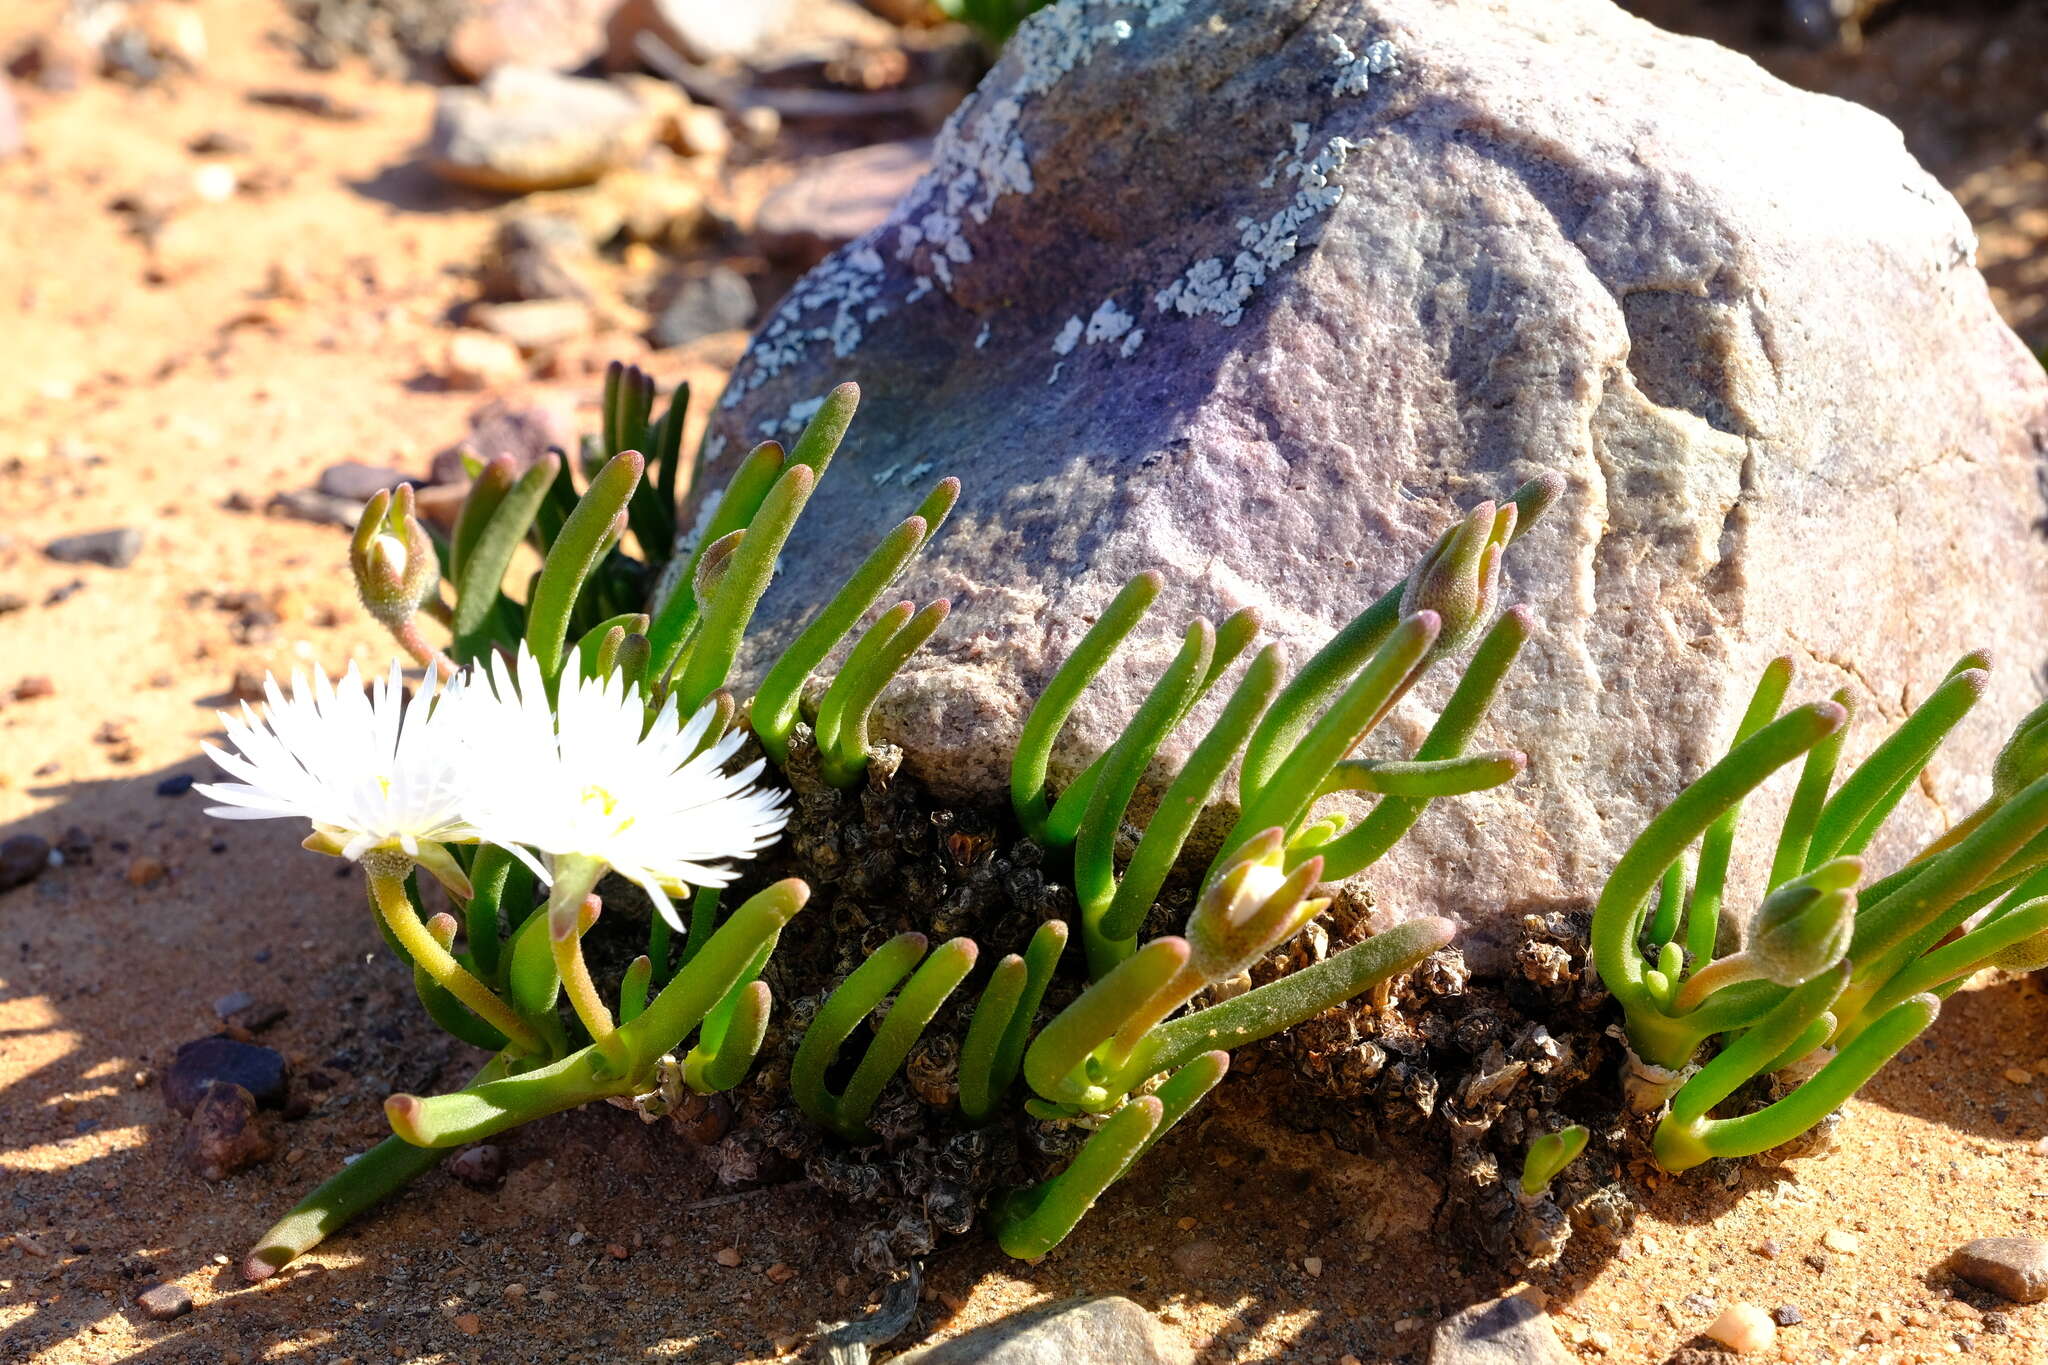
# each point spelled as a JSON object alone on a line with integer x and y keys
{"x": 1618, "y": 917}
{"x": 395, "y": 908}
{"x": 1033, "y": 754}
{"x": 382, "y": 1171}
{"x": 1549, "y": 1155}
{"x": 1681, "y": 1146}
{"x": 1294, "y": 998}
{"x": 1034, "y": 1220}
{"x": 1717, "y": 845}
{"x": 1869, "y": 794}
{"x": 675, "y": 609}
{"x": 492, "y": 540}
{"x": 584, "y": 539}
{"x": 849, "y": 703}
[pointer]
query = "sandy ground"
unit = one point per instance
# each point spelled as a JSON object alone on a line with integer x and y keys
{"x": 143, "y": 389}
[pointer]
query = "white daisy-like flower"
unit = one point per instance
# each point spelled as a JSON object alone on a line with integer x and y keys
{"x": 369, "y": 770}
{"x": 581, "y": 781}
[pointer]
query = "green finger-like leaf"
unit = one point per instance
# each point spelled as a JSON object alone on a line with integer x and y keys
{"x": 484, "y": 565}
{"x": 1054, "y": 1064}
{"x": 705, "y": 979}
{"x": 1795, "y": 835}
{"x": 1391, "y": 817}
{"x": 1284, "y": 800}
{"x": 1549, "y": 1155}
{"x": 676, "y": 611}
{"x": 979, "y": 1094}
{"x": 1870, "y": 792}
{"x": 1184, "y": 801}
{"x": 487, "y": 492}
{"x": 726, "y": 615}
{"x": 710, "y": 1071}
{"x": 1034, "y": 1220}
{"x": 916, "y": 1004}
{"x": 850, "y": 701}
{"x": 1617, "y": 919}
{"x": 1424, "y": 779}
{"x": 1717, "y": 845}
{"x": 1745, "y": 1058}
{"x": 850, "y": 1002}
{"x": 493, "y": 1106}
{"x": 827, "y": 427}
{"x": 575, "y": 553}
{"x": 1298, "y": 996}
{"x": 1049, "y": 714}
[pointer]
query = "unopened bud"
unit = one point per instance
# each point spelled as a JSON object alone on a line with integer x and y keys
{"x": 1255, "y": 906}
{"x": 2024, "y": 759}
{"x": 1805, "y": 926}
{"x": 396, "y": 569}
{"x": 1459, "y": 579}
{"x": 712, "y": 564}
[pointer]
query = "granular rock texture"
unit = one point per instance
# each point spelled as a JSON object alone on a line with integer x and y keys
{"x": 1261, "y": 293}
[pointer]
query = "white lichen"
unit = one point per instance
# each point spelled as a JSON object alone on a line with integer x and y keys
{"x": 1264, "y": 245}
{"x": 981, "y": 337}
{"x": 1068, "y": 338}
{"x": 1355, "y": 73}
{"x": 1107, "y": 323}
{"x": 1132, "y": 341}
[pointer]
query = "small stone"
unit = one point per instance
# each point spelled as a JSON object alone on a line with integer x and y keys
{"x": 721, "y": 300}
{"x": 177, "y": 784}
{"x": 1700, "y": 1305}
{"x": 527, "y": 129}
{"x": 617, "y": 1251}
{"x": 1841, "y": 1242}
{"x": 23, "y": 858}
{"x": 146, "y": 871}
{"x": 165, "y": 1301}
{"x": 481, "y": 1167}
{"x": 469, "y": 1324}
{"x": 116, "y": 548}
{"x": 34, "y": 687}
{"x": 358, "y": 482}
{"x": 701, "y": 131}
{"x": 233, "y": 1003}
{"x": 781, "y": 1272}
{"x": 698, "y": 31}
{"x": 2019, "y": 1075}
{"x": 1787, "y": 1315}
{"x": 728, "y": 1257}
{"x": 1505, "y": 1331}
{"x": 310, "y": 504}
{"x": 1744, "y": 1329}
{"x": 223, "y": 1135}
{"x": 2014, "y": 1268}
{"x": 514, "y": 1291}
{"x": 534, "y": 324}
{"x": 560, "y": 35}
{"x": 1313, "y": 1265}
{"x": 206, "y": 1062}
{"x": 479, "y": 360}
{"x": 12, "y": 602}
{"x": 838, "y": 198}
{"x": 1073, "y": 1332}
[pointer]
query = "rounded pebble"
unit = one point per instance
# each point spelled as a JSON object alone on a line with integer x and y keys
{"x": 1744, "y": 1329}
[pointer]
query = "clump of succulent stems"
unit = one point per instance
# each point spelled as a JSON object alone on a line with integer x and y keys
{"x": 1120, "y": 1058}
{"x": 620, "y": 604}
{"x": 1840, "y": 970}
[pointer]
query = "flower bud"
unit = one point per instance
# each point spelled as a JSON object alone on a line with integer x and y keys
{"x": 1459, "y": 579}
{"x": 1253, "y": 907}
{"x": 712, "y": 564}
{"x": 1805, "y": 926}
{"x": 2024, "y": 759}
{"x": 396, "y": 569}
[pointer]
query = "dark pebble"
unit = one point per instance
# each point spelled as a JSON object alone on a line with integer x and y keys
{"x": 116, "y": 547}
{"x": 165, "y": 1301}
{"x": 1787, "y": 1315}
{"x": 718, "y": 302}
{"x": 209, "y": 1061}
{"x": 34, "y": 687}
{"x": 1701, "y": 1306}
{"x": 58, "y": 596}
{"x": 22, "y": 859}
{"x": 1997, "y": 1324}
{"x": 177, "y": 784}
{"x": 358, "y": 482}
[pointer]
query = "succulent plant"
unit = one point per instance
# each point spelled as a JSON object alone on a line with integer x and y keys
{"x": 586, "y": 724}
{"x": 1834, "y": 979}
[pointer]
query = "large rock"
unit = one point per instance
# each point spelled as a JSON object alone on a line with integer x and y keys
{"x": 1263, "y": 293}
